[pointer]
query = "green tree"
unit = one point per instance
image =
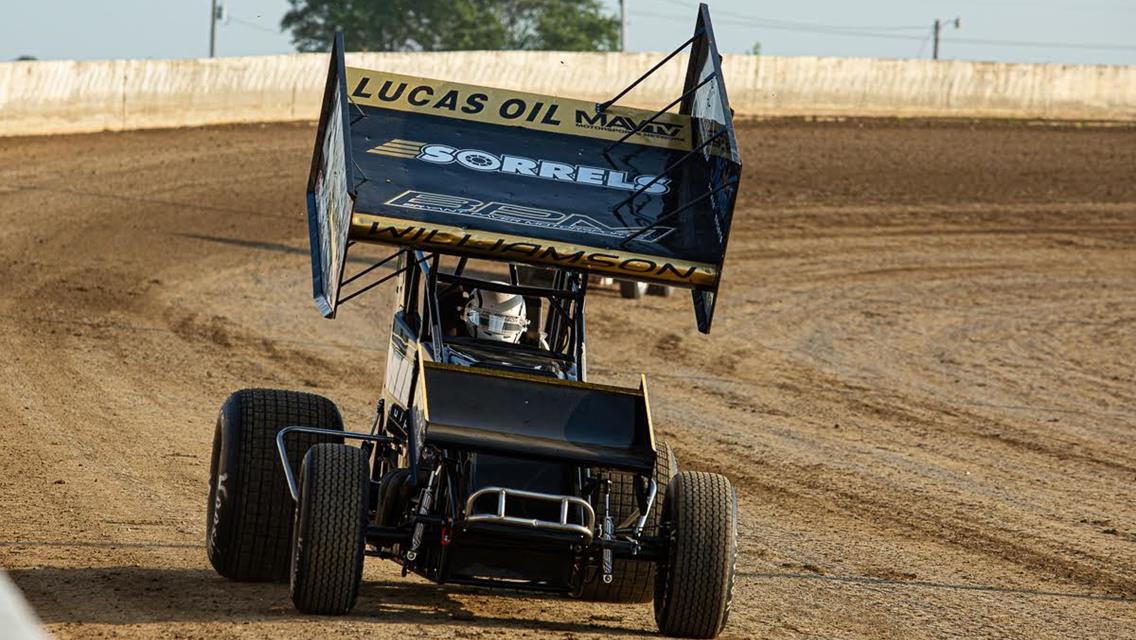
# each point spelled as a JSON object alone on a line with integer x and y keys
{"x": 448, "y": 25}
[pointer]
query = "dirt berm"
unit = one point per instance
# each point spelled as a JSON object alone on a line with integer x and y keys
{"x": 921, "y": 380}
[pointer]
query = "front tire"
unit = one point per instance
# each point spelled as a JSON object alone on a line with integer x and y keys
{"x": 695, "y": 581}
{"x": 249, "y": 516}
{"x": 330, "y": 532}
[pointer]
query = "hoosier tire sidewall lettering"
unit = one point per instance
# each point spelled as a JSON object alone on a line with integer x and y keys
{"x": 222, "y": 459}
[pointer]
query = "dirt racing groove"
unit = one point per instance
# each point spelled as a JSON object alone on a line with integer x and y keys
{"x": 920, "y": 381}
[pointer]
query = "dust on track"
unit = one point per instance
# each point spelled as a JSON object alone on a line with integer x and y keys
{"x": 920, "y": 380}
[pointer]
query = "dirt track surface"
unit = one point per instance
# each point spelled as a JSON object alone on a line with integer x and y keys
{"x": 921, "y": 381}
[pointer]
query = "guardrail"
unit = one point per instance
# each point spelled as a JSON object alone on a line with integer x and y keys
{"x": 49, "y": 97}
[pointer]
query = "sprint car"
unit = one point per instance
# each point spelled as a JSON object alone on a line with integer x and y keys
{"x": 488, "y": 462}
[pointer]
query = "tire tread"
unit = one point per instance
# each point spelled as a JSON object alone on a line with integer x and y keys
{"x": 327, "y": 554}
{"x": 695, "y": 583}
{"x": 258, "y": 546}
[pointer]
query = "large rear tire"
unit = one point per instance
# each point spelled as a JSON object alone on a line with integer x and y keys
{"x": 633, "y": 580}
{"x": 249, "y": 516}
{"x": 695, "y": 580}
{"x": 330, "y": 531}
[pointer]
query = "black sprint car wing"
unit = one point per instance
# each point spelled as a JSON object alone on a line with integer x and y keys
{"x": 529, "y": 178}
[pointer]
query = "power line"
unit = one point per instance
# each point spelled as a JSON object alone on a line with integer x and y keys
{"x": 812, "y": 25}
{"x": 1053, "y": 45}
{"x": 251, "y": 25}
{"x": 875, "y": 32}
{"x": 805, "y": 25}
{"x": 1036, "y": 5}
{"x": 922, "y": 46}
{"x": 777, "y": 27}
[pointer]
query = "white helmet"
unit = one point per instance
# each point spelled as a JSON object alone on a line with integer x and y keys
{"x": 497, "y": 316}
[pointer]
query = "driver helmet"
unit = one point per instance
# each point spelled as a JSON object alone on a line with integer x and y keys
{"x": 492, "y": 315}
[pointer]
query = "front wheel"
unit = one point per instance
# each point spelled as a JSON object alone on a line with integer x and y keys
{"x": 695, "y": 580}
{"x": 330, "y": 531}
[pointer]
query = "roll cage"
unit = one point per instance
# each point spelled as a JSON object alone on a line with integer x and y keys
{"x": 554, "y": 299}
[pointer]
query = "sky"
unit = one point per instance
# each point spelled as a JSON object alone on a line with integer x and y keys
{"x": 1059, "y": 31}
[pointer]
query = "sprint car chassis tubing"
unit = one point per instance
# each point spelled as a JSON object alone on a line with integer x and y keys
{"x": 488, "y": 463}
{"x": 602, "y": 540}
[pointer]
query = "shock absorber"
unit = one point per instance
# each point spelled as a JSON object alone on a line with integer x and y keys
{"x": 423, "y": 509}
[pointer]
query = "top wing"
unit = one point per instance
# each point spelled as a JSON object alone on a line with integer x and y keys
{"x": 529, "y": 178}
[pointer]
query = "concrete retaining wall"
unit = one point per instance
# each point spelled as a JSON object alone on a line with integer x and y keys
{"x": 69, "y": 97}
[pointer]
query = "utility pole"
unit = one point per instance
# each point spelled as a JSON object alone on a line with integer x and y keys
{"x": 213, "y": 29}
{"x": 623, "y": 25}
{"x": 934, "y": 47}
{"x": 936, "y": 30}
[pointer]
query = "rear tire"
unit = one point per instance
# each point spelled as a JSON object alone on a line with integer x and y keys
{"x": 249, "y": 516}
{"x": 330, "y": 531}
{"x": 696, "y": 579}
{"x": 661, "y": 290}
{"x": 633, "y": 580}
{"x": 632, "y": 290}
